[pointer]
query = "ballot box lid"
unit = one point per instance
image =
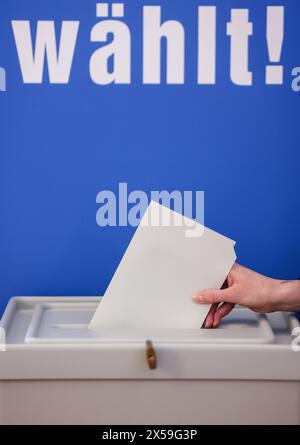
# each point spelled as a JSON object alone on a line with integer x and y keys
{"x": 66, "y": 320}
{"x": 46, "y": 329}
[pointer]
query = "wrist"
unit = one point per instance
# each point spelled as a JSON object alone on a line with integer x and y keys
{"x": 288, "y": 295}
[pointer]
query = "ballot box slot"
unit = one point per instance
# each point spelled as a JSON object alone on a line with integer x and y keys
{"x": 66, "y": 326}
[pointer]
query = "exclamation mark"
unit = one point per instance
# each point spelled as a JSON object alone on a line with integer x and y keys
{"x": 275, "y": 33}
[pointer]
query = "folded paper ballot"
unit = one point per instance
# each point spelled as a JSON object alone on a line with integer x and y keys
{"x": 161, "y": 269}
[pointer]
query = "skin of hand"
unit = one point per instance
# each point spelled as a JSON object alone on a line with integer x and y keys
{"x": 252, "y": 290}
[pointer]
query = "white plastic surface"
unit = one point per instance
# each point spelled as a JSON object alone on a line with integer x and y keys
{"x": 47, "y": 338}
{"x": 68, "y": 322}
{"x": 51, "y": 373}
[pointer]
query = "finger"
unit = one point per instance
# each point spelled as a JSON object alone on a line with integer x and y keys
{"x": 209, "y": 321}
{"x": 211, "y": 296}
{"x": 221, "y": 312}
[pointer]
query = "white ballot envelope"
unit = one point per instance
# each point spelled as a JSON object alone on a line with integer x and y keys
{"x": 169, "y": 258}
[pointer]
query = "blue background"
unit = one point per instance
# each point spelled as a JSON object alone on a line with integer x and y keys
{"x": 61, "y": 144}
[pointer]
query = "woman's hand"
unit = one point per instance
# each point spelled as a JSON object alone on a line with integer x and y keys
{"x": 252, "y": 290}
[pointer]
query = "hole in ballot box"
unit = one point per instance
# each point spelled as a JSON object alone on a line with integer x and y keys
{"x": 75, "y": 326}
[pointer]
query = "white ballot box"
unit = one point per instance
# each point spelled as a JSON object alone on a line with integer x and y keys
{"x": 54, "y": 370}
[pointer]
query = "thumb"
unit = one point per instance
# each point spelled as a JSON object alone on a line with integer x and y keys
{"x": 212, "y": 296}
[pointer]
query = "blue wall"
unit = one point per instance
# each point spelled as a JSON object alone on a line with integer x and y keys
{"x": 61, "y": 144}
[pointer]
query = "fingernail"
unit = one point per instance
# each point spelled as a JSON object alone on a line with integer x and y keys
{"x": 198, "y": 298}
{"x": 216, "y": 324}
